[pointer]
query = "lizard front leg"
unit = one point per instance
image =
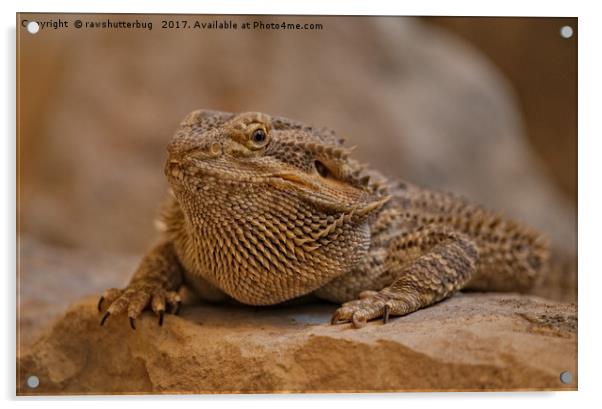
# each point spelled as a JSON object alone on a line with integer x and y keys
{"x": 430, "y": 263}
{"x": 155, "y": 284}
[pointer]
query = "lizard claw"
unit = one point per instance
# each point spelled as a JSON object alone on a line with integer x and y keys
{"x": 336, "y": 319}
{"x": 137, "y": 297}
{"x": 386, "y": 313}
{"x": 104, "y": 318}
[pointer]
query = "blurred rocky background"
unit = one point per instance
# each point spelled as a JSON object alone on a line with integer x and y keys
{"x": 485, "y": 107}
{"x": 493, "y": 117}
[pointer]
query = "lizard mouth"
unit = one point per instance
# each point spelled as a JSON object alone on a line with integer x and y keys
{"x": 294, "y": 179}
{"x": 324, "y": 193}
{"x": 329, "y": 194}
{"x": 178, "y": 170}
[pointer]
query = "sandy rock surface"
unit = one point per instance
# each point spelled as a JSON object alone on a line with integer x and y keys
{"x": 469, "y": 342}
{"x": 472, "y": 341}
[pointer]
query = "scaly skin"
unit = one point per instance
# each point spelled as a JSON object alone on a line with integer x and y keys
{"x": 264, "y": 209}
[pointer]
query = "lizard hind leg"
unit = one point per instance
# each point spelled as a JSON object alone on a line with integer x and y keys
{"x": 431, "y": 264}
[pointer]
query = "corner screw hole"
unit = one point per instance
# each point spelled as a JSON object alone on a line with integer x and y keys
{"x": 566, "y": 32}
{"x": 33, "y": 27}
{"x": 33, "y": 381}
{"x": 566, "y": 377}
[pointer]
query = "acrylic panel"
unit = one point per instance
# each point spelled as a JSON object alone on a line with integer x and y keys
{"x": 276, "y": 204}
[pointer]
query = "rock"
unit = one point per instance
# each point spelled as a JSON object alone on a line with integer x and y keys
{"x": 472, "y": 341}
{"x": 469, "y": 342}
{"x": 53, "y": 277}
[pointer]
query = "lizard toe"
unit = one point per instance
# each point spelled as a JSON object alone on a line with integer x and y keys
{"x": 369, "y": 306}
{"x": 108, "y": 297}
{"x": 136, "y": 298}
{"x": 174, "y": 301}
{"x": 341, "y": 315}
{"x": 359, "y": 319}
{"x": 158, "y": 305}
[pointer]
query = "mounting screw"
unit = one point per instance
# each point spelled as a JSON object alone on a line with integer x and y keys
{"x": 33, "y": 381}
{"x": 566, "y": 32}
{"x": 33, "y": 27}
{"x": 566, "y": 377}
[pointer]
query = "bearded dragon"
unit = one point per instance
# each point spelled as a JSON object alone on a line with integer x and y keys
{"x": 265, "y": 209}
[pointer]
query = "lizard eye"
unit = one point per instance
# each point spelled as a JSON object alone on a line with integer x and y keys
{"x": 259, "y": 137}
{"x": 321, "y": 169}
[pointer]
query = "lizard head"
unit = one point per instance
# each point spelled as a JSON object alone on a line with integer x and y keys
{"x": 222, "y": 150}
{"x": 272, "y": 208}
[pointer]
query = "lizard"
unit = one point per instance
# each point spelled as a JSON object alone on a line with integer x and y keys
{"x": 264, "y": 209}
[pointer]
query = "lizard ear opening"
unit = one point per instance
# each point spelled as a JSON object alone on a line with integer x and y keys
{"x": 321, "y": 169}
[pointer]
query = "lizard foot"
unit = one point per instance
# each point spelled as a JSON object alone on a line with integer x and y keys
{"x": 135, "y": 298}
{"x": 370, "y": 305}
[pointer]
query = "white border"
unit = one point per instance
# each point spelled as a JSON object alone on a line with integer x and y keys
{"x": 590, "y": 200}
